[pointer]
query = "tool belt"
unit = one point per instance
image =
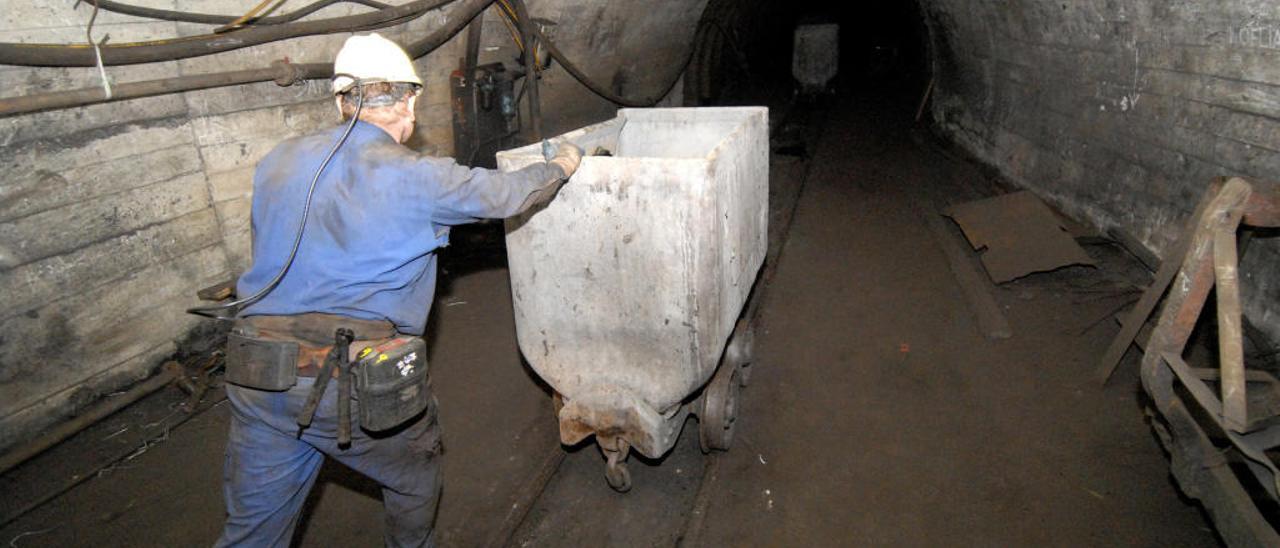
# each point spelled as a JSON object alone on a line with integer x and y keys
{"x": 390, "y": 373}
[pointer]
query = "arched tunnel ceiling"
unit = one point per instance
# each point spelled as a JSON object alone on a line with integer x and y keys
{"x": 1120, "y": 113}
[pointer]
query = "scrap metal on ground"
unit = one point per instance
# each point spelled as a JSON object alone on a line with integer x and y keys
{"x": 1218, "y": 438}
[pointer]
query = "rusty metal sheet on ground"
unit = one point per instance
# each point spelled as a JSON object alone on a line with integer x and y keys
{"x": 1019, "y": 233}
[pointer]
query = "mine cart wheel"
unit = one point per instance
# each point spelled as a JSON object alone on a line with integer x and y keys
{"x": 619, "y": 477}
{"x": 615, "y": 469}
{"x": 741, "y": 350}
{"x": 720, "y": 409}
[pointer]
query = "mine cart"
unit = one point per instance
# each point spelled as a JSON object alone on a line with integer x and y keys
{"x": 1221, "y": 425}
{"x": 630, "y": 286}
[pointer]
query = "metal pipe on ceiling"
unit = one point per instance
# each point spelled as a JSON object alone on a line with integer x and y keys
{"x": 283, "y": 73}
{"x": 280, "y": 72}
{"x": 211, "y": 19}
{"x": 172, "y": 49}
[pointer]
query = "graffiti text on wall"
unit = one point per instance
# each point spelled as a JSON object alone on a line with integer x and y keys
{"x": 1256, "y": 36}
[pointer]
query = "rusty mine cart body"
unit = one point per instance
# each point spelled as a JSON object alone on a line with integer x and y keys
{"x": 1220, "y": 425}
{"x": 630, "y": 287}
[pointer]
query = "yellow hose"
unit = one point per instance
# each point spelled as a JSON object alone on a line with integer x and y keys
{"x": 510, "y": 20}
{"x": 515, "y": 36}
{"x": 253, "y": 14}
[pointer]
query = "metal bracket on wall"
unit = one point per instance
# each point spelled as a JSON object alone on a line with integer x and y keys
{"x": 485, "y": 113}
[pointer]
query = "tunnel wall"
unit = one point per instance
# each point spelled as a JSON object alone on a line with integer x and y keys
{"x": 113, "y": 215}
{"x": 1119, "y": 112}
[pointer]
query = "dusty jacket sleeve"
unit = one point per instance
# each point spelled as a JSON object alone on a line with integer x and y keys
{"x": 466, "y": 194}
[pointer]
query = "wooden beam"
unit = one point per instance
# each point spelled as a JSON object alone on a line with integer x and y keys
{"x": 1230, "y": 336}
{"x": 975, "y": 285}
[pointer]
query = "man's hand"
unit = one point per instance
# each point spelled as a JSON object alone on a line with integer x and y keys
{"x": 567, "y": 158}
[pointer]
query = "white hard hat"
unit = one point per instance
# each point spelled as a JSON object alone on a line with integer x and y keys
{"x": 373, "y": 58}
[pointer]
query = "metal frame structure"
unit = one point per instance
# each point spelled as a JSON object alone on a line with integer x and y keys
{"x": 1203, "y": 451}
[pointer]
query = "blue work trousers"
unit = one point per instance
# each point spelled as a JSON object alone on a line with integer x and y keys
{"x": 269, "y": 470}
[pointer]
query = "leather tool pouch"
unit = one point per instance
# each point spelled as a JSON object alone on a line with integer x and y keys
{"x": 263, "y": 364}
{"x": 392, "y": 383}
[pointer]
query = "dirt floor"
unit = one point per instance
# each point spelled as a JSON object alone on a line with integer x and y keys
{"x": 880, "y": 415}
{"x": 877, "y": 413}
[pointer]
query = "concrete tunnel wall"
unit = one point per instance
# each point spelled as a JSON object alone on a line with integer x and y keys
{"x": 113, "y": 215}
{"x": 1119, "y": 112}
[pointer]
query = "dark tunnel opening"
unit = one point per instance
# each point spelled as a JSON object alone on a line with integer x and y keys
{"x": 740, "y": 50}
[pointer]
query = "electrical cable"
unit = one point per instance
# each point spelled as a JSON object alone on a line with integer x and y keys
{"x": 249, "y": 16}
{"x": 459, "y": 17}
{"x": 511, "y": 29}
{"x": 209, "y": 19}
{"x": 475, "y": 33}
{"x": 172, "y": 49}
{"x": 598, "y": 89}
{"x": 283, "y": 73}
{"x": 506, "y": 6}
{"x": 511, "y": 20}
{"x": 236, "y": 306}
{"x": 97, "y": 49}
{"x": 527, "y": 28}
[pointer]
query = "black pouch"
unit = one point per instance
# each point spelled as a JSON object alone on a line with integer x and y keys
{"x": 259, "y": 363}
{"x": 392, "y": 383}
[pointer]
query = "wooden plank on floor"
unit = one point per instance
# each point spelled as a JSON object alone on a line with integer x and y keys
{"x": 974, "y": 284}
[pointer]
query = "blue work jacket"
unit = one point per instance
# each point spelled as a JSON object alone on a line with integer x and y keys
{"x": 379, "y": 213}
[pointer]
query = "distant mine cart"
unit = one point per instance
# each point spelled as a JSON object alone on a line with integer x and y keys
{"x": 632, "y": 288}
